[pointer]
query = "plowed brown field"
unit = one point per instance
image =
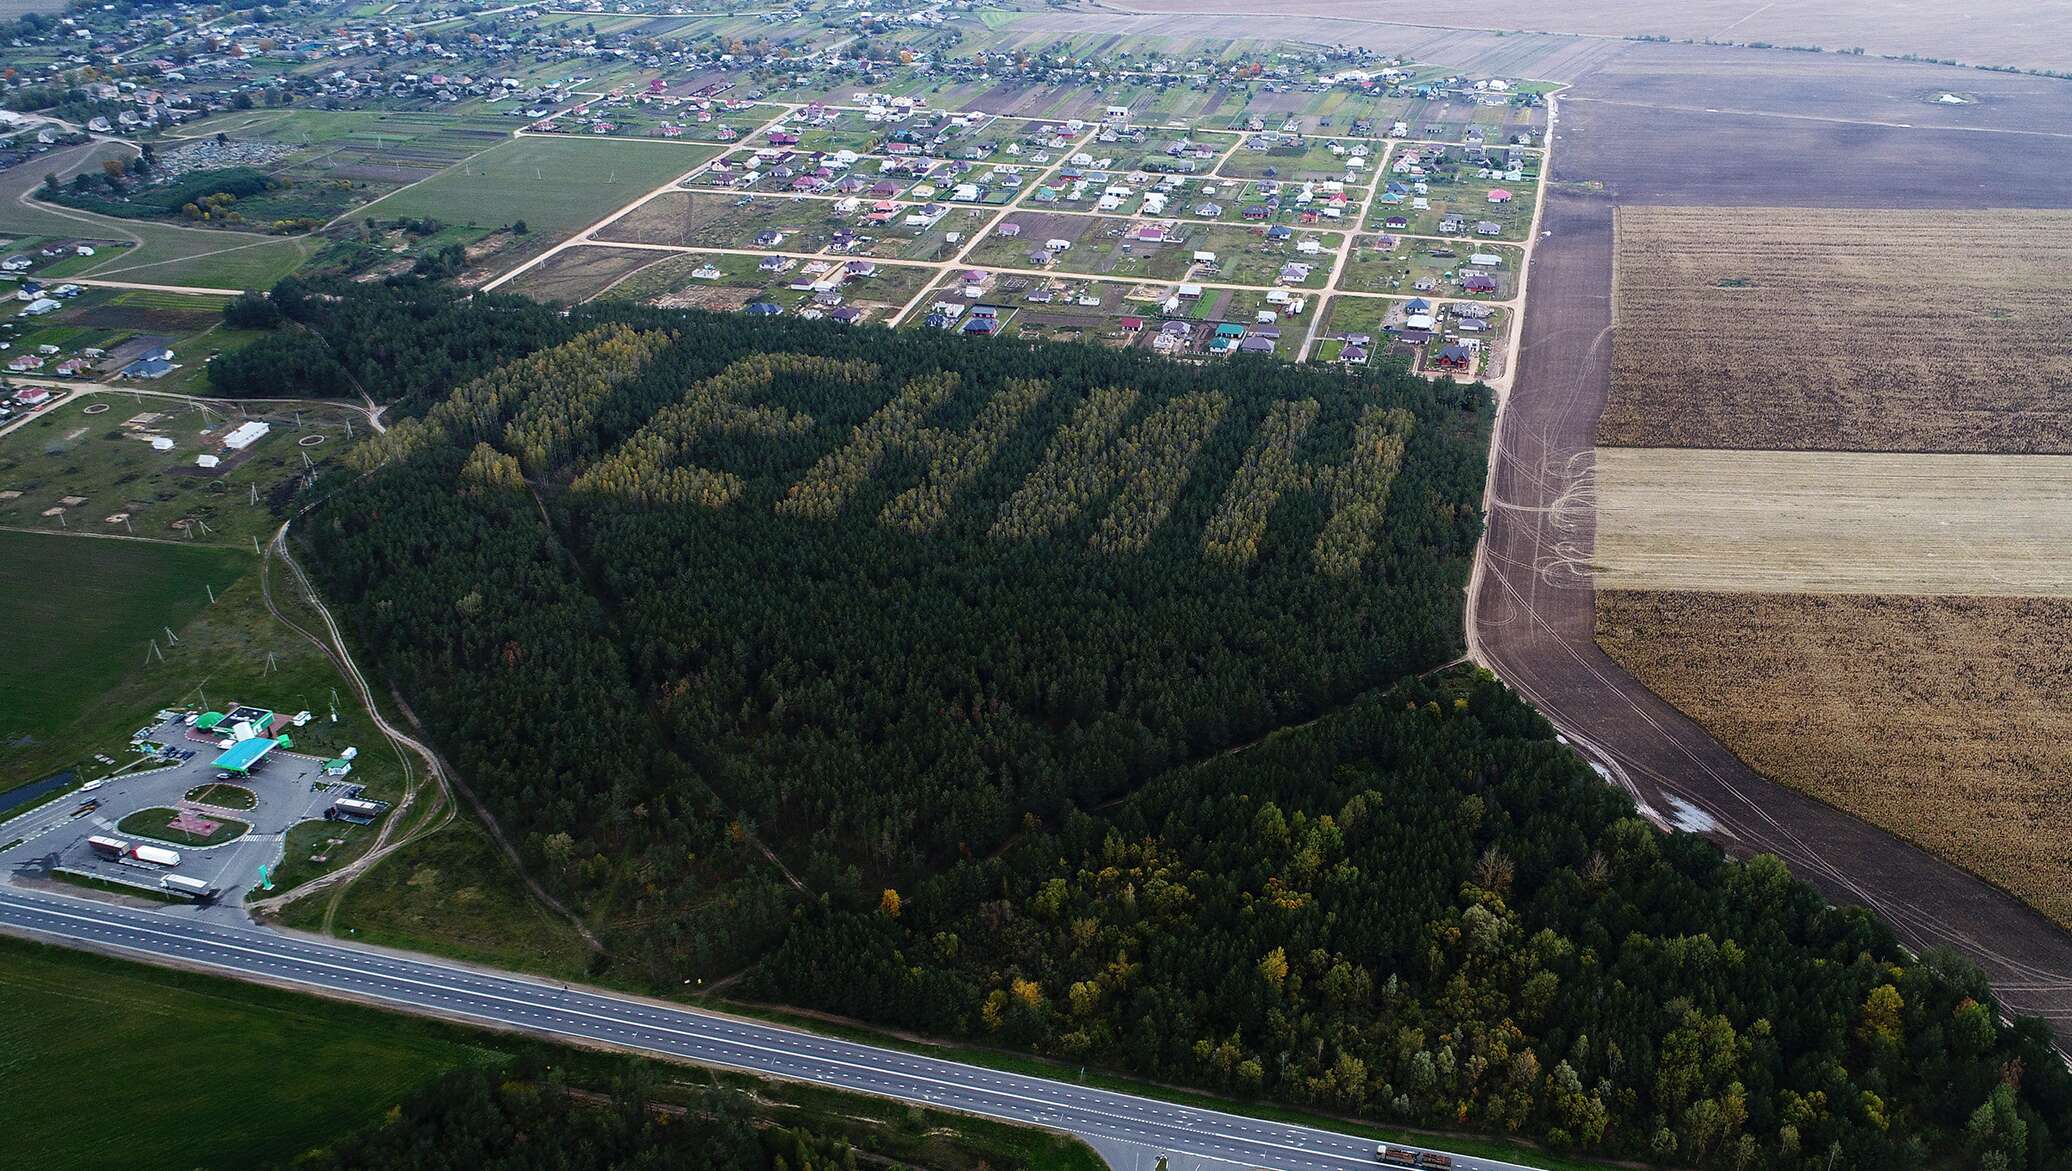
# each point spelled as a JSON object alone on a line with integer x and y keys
{"x": 1942, "y": 720}
{"x": 1805, "y": 329}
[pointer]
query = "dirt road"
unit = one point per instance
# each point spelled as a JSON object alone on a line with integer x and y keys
{"x": 1532, "y": 619}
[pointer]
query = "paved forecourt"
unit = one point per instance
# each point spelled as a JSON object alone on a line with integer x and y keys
{"x": 1116, "y": 1123}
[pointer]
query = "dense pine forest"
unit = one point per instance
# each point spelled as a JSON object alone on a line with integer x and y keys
{"x": 1067, "y": 699}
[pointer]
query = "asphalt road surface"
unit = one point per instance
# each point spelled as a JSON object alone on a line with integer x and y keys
{"x": 1130, "y": 1132}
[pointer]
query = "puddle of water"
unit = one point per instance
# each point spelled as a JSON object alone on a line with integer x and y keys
{"x": 21, "y": 795}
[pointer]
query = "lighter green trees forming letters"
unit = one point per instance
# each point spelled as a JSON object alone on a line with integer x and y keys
{"x": 955, "y": 456}
{"x": 645, "y": 468}
{"x": 536, "y": 405}
{"x": 1357, "y": 490}
{"x": 1091, "y": 456}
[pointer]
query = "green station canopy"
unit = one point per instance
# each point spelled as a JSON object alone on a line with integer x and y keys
{"x": 240, "y": 757}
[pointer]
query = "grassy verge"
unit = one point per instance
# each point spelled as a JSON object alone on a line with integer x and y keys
{"x": 171, "y": 1069}
{"x": 915, "y": 1135}
{"x": 452, "y": 894}
{"x": 1022, "y": 1063}
{"x": 316, "y": 847}
{"x": 220, "y": 1073}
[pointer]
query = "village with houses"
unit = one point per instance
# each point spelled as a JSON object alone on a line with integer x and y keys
{"x": 908, "y": 168}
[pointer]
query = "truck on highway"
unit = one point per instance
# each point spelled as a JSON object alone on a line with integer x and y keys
{"x": 155, "y": 856}
{"x": 193, "y": 888}
{"x": 1412, "y": 1157}
{"x": 108, "y": 847}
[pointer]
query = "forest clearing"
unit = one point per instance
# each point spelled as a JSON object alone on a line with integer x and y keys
{"x": 1811, "y": 329}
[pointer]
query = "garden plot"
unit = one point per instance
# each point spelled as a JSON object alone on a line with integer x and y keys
{"x": 1410, "y": 266}
{"x": 1453, "y": 197}
{"x": 575, "y": 275}
{"x": 725, "y": 280}
{"x": 1123, "y": 249}
{"x": 1309, "y": 160}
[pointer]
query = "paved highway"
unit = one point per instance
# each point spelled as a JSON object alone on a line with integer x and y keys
{"x": 1131, "y": 1132}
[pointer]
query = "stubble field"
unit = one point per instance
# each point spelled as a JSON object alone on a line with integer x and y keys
{"x": 1938, "y": 719}
{"x": 1833, "y": 522}
{"x": 1805, "y": 329}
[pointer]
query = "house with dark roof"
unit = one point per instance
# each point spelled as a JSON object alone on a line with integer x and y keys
{"x": 1454, "y": 357}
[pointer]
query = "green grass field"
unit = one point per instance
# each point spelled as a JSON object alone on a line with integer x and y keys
{"x": 161, "y": 254}
{"x": 81, "y": 615}
{"x": 555, "y": 185}
{"x": 66, "y": 452}
{"x": 109, "y": 1064}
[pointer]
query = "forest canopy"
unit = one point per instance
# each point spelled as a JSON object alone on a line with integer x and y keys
{"x": 1070, "y": 699}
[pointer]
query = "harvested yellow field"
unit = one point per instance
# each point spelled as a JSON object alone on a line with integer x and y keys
{"x": 1833, "y": 522}
{"x": 1841, "y": 329}
{"x": 1942, "y": 720}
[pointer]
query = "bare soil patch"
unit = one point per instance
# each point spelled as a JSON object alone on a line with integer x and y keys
{"x": 1991, "y": 32}
{"x": 1833, "y": 522}
{"x": 575, "y": 275}
{"x": 1939, "y": 719}
{"x": 1805, "y": 329}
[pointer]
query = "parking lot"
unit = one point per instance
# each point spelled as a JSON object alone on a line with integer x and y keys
{"x": 286, "y": 788}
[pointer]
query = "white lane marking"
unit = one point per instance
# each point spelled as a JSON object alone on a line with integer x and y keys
{"x": 1141, "y": 1109}
{"x": 360, "y": 977}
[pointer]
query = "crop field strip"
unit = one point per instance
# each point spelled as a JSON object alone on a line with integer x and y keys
{"x": 1833, "y": 522}
{"x": 1776, "y": 328}
{"x": 1941, "y": 720}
